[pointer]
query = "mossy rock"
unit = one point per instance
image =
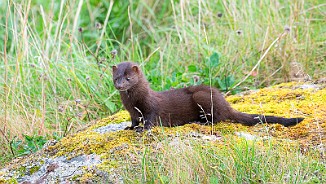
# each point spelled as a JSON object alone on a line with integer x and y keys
{"x": 97, "y": 153}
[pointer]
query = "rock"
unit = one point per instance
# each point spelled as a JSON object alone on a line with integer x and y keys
{"x": 112, "y": 127}
{"x": 246, "y": 136}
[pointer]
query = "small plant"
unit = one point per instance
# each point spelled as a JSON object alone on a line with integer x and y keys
{"x": 29, "y": 145}
{"x": 223, "y": 81}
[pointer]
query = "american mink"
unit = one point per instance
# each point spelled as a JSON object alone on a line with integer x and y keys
{"x": 178, "y": 106}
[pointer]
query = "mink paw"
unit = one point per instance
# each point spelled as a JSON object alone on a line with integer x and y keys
{"x": 129, "y": 128}
{"x": 139, "y": 129}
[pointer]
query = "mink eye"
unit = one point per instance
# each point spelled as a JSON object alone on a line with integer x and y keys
{"x": 127, "y": 78}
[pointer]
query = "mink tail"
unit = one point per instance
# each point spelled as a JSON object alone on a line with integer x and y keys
{"x": 252, "y": 119}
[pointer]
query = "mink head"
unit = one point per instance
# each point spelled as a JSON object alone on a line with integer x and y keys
{"x": 126, "y": 75}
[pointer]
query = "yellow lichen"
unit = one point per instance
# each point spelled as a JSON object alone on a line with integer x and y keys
{"x": 116, "y": 118}
{"x": 86, "y": 178}
{"x": 288, "y": 101}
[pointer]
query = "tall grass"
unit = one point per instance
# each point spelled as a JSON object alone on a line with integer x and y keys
{"x": 237, "y": 161}
{"x": 55, "y": 74}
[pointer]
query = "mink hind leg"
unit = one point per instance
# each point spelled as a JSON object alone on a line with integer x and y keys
{"x": 211, "y": 99}
{"x": 208, "y": 102}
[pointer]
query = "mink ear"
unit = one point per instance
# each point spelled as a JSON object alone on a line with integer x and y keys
{"x": 114, "y": 68}
{"x": 135, "y": 68}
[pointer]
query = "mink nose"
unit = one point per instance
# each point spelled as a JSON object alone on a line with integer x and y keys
{"x": 119, "y": 86}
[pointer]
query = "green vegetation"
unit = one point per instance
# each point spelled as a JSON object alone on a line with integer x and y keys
{"x": 237, "y": 161}
{"x": 56, "y": 55}
{"x": 30, "y": 145}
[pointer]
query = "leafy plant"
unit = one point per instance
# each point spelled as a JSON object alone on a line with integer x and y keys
{"x": 223, "y": 81}
{"x": 29, "y": 145}
{"x": 214, "y": 60}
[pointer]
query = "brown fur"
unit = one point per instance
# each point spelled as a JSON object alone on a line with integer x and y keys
{"x": 178, "y": 106}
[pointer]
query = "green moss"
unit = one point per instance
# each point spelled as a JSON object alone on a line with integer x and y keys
{"x": 21, "y": 170}
{"x": 34, "y": 169}
{"x": 9, "y": 181}
{"x": 76, "y": 177}
{"x": 108, "y": 164}
{"x": 86, "y": 177}
{"x": 88, "y": 141}
{"x": 92, "y": 142}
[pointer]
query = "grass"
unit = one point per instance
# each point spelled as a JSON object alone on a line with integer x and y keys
{"x": 232, "y": 161}
{"x": 55, "y": 74}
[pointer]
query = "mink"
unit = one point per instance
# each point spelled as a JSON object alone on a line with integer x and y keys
{"x": 177, "y": 107}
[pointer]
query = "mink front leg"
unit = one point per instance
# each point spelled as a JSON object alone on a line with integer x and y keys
{"x": 134, "y": 123}
{"x": 149, "y": 121}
